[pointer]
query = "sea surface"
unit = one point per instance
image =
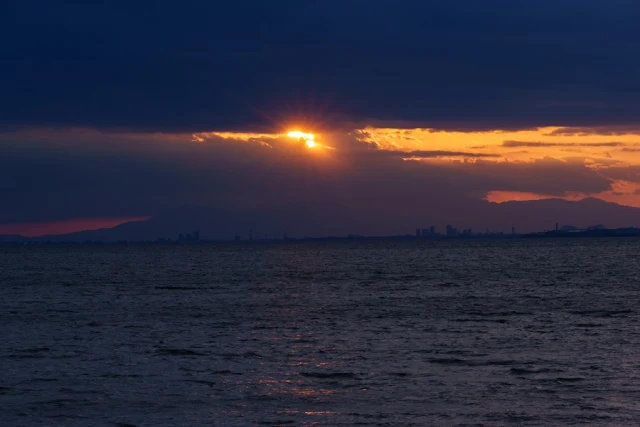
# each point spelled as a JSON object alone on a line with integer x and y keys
{"x": 514, "y": 332}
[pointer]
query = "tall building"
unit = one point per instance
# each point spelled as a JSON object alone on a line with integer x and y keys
{"x": 418, "y": 232}
{"x": 451, "y": 231}
{"x": 432, "y": 230}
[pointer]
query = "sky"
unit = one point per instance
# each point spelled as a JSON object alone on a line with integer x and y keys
{"x": 113, "y": 111}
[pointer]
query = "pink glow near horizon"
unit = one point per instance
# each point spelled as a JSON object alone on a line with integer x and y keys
{"x": 37, "y": 229}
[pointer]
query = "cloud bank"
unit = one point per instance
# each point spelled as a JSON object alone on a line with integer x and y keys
{"x": 252, "y": 65}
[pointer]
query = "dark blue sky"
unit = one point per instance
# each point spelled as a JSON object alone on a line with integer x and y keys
{"x": 221, "y": 65}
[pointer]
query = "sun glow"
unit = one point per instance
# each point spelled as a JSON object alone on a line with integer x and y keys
{"x": 308, "y": 138}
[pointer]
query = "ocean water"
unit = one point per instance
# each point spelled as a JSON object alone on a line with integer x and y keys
{"x": 388, "y": 333}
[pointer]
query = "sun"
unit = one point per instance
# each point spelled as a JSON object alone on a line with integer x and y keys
{"x": 308, "y": 138}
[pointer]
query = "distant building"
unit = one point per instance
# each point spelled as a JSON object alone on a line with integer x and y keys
{"x": 196, "y": 235}
{"x": 426, "y": 232}
{"x": 451, "y": 231}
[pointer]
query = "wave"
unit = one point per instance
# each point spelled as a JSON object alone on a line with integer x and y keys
{"x": 328, "y": 375}
{"x": 467, "y": 362}
{"x": 524, "y": 371}
{"x": 178, "y": 352}
{"x": 601, "y": 313}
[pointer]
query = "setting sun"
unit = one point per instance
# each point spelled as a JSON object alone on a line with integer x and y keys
{"x": 308, "y": 138}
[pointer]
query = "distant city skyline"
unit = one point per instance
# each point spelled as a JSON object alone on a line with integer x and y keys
{"x": 159, "y": 229}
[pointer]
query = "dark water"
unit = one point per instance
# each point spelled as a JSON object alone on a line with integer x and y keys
{"x": 517, "y": 332}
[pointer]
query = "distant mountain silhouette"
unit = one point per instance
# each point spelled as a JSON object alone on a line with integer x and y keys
{"x": 543, "y": 214}
{"x": 12, "y": 238}
{"x": 215, "y": 223}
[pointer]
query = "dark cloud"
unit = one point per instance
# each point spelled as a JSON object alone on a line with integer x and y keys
{"x": 633, "y": 129}
{"x": 545, "y": 176}
{"x": 251, "y": 64}
{"x": 624, "y": 173}
{"x": 426, "y": 154}
{"x": 515, "y": 144}
{"x": 120, "y": 177}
